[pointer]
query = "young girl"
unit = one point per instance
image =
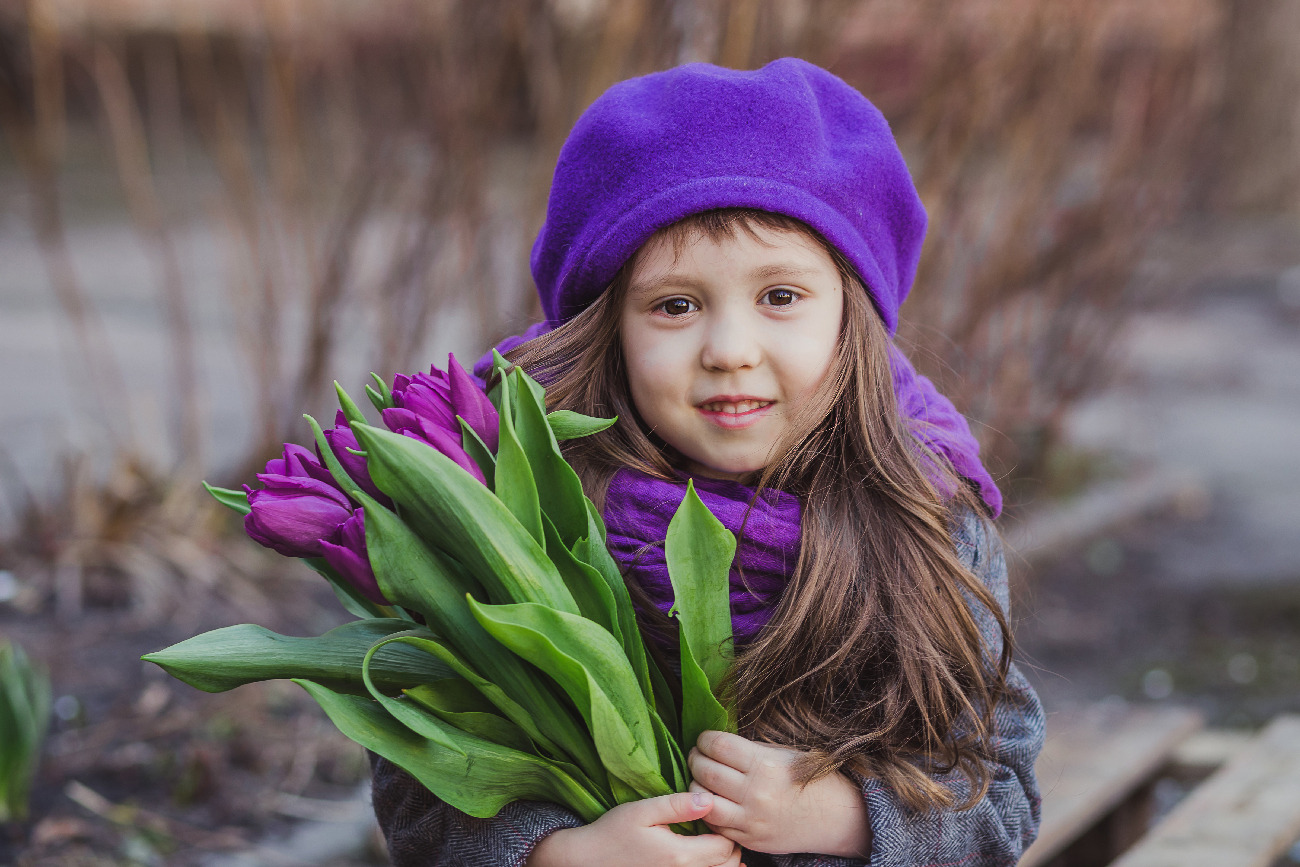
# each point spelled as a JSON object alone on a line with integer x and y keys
{"x": 721, "y": 267}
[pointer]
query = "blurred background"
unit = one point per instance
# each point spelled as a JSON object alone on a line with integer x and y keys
{"x": 211, "y": 209}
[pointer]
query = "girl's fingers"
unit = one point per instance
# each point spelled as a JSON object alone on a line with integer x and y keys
{"x": 713, "y": 849}
{"x": 728, "y": 749}
{"x": 718, "y": 778}
{"x": 726, "y": 816}
{"x": 733, "y": 860}
{"x": 671, "y": 809}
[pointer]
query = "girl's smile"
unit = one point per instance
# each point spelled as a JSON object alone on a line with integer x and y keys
{"x": 725, "y": 338}
{"x": 735, "y": 412}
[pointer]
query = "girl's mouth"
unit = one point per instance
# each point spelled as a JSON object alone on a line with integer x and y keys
{"x": 734, "y": 413}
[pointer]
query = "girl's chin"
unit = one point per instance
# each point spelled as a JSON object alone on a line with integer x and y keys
{"x": 733, "y": 472}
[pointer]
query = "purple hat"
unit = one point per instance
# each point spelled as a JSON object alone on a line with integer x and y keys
{"x": 790, "y": 138}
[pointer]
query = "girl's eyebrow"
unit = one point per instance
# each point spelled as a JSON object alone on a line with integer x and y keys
{"x": 763, "y": 272}
{"x": 781, "y": 269}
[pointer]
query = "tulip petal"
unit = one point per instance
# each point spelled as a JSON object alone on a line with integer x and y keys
{"x": 341, "y": 440}
{"x": 428, "y": 402}
{"x": 291, "y": 518}
{"x": 451, "y": 446}
{"x": 472, "y": 404}
{"x": 354, "y": 567}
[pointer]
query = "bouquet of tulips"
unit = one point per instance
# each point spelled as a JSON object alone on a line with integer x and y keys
{"x": 496, "y": 656}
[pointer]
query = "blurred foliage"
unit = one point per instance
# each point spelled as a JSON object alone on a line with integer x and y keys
{"x": 380, "y": 170}
{"x": 24, "y": 717}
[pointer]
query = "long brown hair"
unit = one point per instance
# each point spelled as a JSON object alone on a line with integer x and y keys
{"x": 872, "y": 661}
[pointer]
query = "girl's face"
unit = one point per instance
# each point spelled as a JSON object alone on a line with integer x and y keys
{"x": 724, "y": 341}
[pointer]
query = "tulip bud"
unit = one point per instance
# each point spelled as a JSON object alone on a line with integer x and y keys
{"x": 298, "y": 506}
{"x": 437, "y": 397}
{"x": 341, "y": 439}
{"x": 291, "y": 516}
{"x": 471, "y": 403}
{"x": 427, "y": 431}
{"x": 346, "y": 552}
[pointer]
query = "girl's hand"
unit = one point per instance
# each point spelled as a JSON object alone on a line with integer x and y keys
{"x": 637, "y": 833}
{"x": 758, "y": 804}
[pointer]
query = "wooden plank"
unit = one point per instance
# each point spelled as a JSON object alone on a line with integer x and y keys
{"x": 1093, "y": 761}
{"x": 1244, "y": 815}
{"x": 1208, "y": 750}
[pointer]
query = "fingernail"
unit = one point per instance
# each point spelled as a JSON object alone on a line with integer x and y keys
{"x": 700, "y": 799}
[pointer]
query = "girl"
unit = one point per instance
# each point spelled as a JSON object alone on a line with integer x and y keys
{"x": 721, "y": 267}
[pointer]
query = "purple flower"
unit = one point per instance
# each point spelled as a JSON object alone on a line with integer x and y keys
{"x": 441, "y": 396}
{"x": 426, "y": 406}
{"x": 340, "y": 439}
{"x": 298, "y": 507}
{"x": 427, "y": 431}
{"x": 346, "y": 552}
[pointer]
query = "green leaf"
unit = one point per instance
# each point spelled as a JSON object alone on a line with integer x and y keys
{"x": 351, "y": 411}
{"x": 472, "y": 775}
{"x": 699, "y": 551}
{"x": 672, "y": 764}
{"x": 445, "y": 503}
{"x": 499, "y": 365}
{"x": 515, "y": 485}
{"x": 508, "y": 707}
{"x": 478, "y": 450}
{"x": 589, "y": 588}
{"x": 380, "y": 395}
{"x": 24, "y": 720}
{"x": 589, "y": 665}
{"x": 447, "y": 700}
{"x": 569, "y": 425}
{"x": 492, "y": 696}
{"x": 340, "y": 475}
{"x": 664, "y": 700}
{"x": 532, "y": 386}
{"x": 235, "y": 655}
{"x": 237, "y": 500}
{"x": 701, "y": 710}
{"x": 499, "y": 368}
{"x": 354, "y": 602}
{"x": 559, "y": 490}
{"x": 595, "y": 554}
{"x": 415, "y": 576}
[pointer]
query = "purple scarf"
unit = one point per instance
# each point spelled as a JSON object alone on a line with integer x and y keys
{"x": 638, "y": 509}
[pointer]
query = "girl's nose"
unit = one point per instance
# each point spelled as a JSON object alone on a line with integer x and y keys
{"x": 730, "y": 343}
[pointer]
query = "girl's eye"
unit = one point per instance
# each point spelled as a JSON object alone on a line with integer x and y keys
{"x": 676, "y": 306}
{"x": 781, "y": 297}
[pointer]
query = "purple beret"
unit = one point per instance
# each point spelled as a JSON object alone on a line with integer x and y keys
{"x": 789, "y": 138}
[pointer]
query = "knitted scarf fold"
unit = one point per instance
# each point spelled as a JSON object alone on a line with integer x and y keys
{"x": 639, "y": 507}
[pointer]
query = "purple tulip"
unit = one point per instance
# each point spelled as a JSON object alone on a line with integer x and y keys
{"x": 426, "y": 407}
{"x": 298, "y": 507}
{"x": 439, "y": 397}
{"x": 340, "y": 439}
{"x": 346, "y": 552}
{"x": 299, "y": 463}
{"x": 427, "y": 431}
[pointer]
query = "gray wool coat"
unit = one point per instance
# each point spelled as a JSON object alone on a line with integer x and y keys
{"x": 422, "y": 831}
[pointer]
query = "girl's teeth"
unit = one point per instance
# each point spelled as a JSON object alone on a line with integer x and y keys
{"x": 736, "y": 408}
